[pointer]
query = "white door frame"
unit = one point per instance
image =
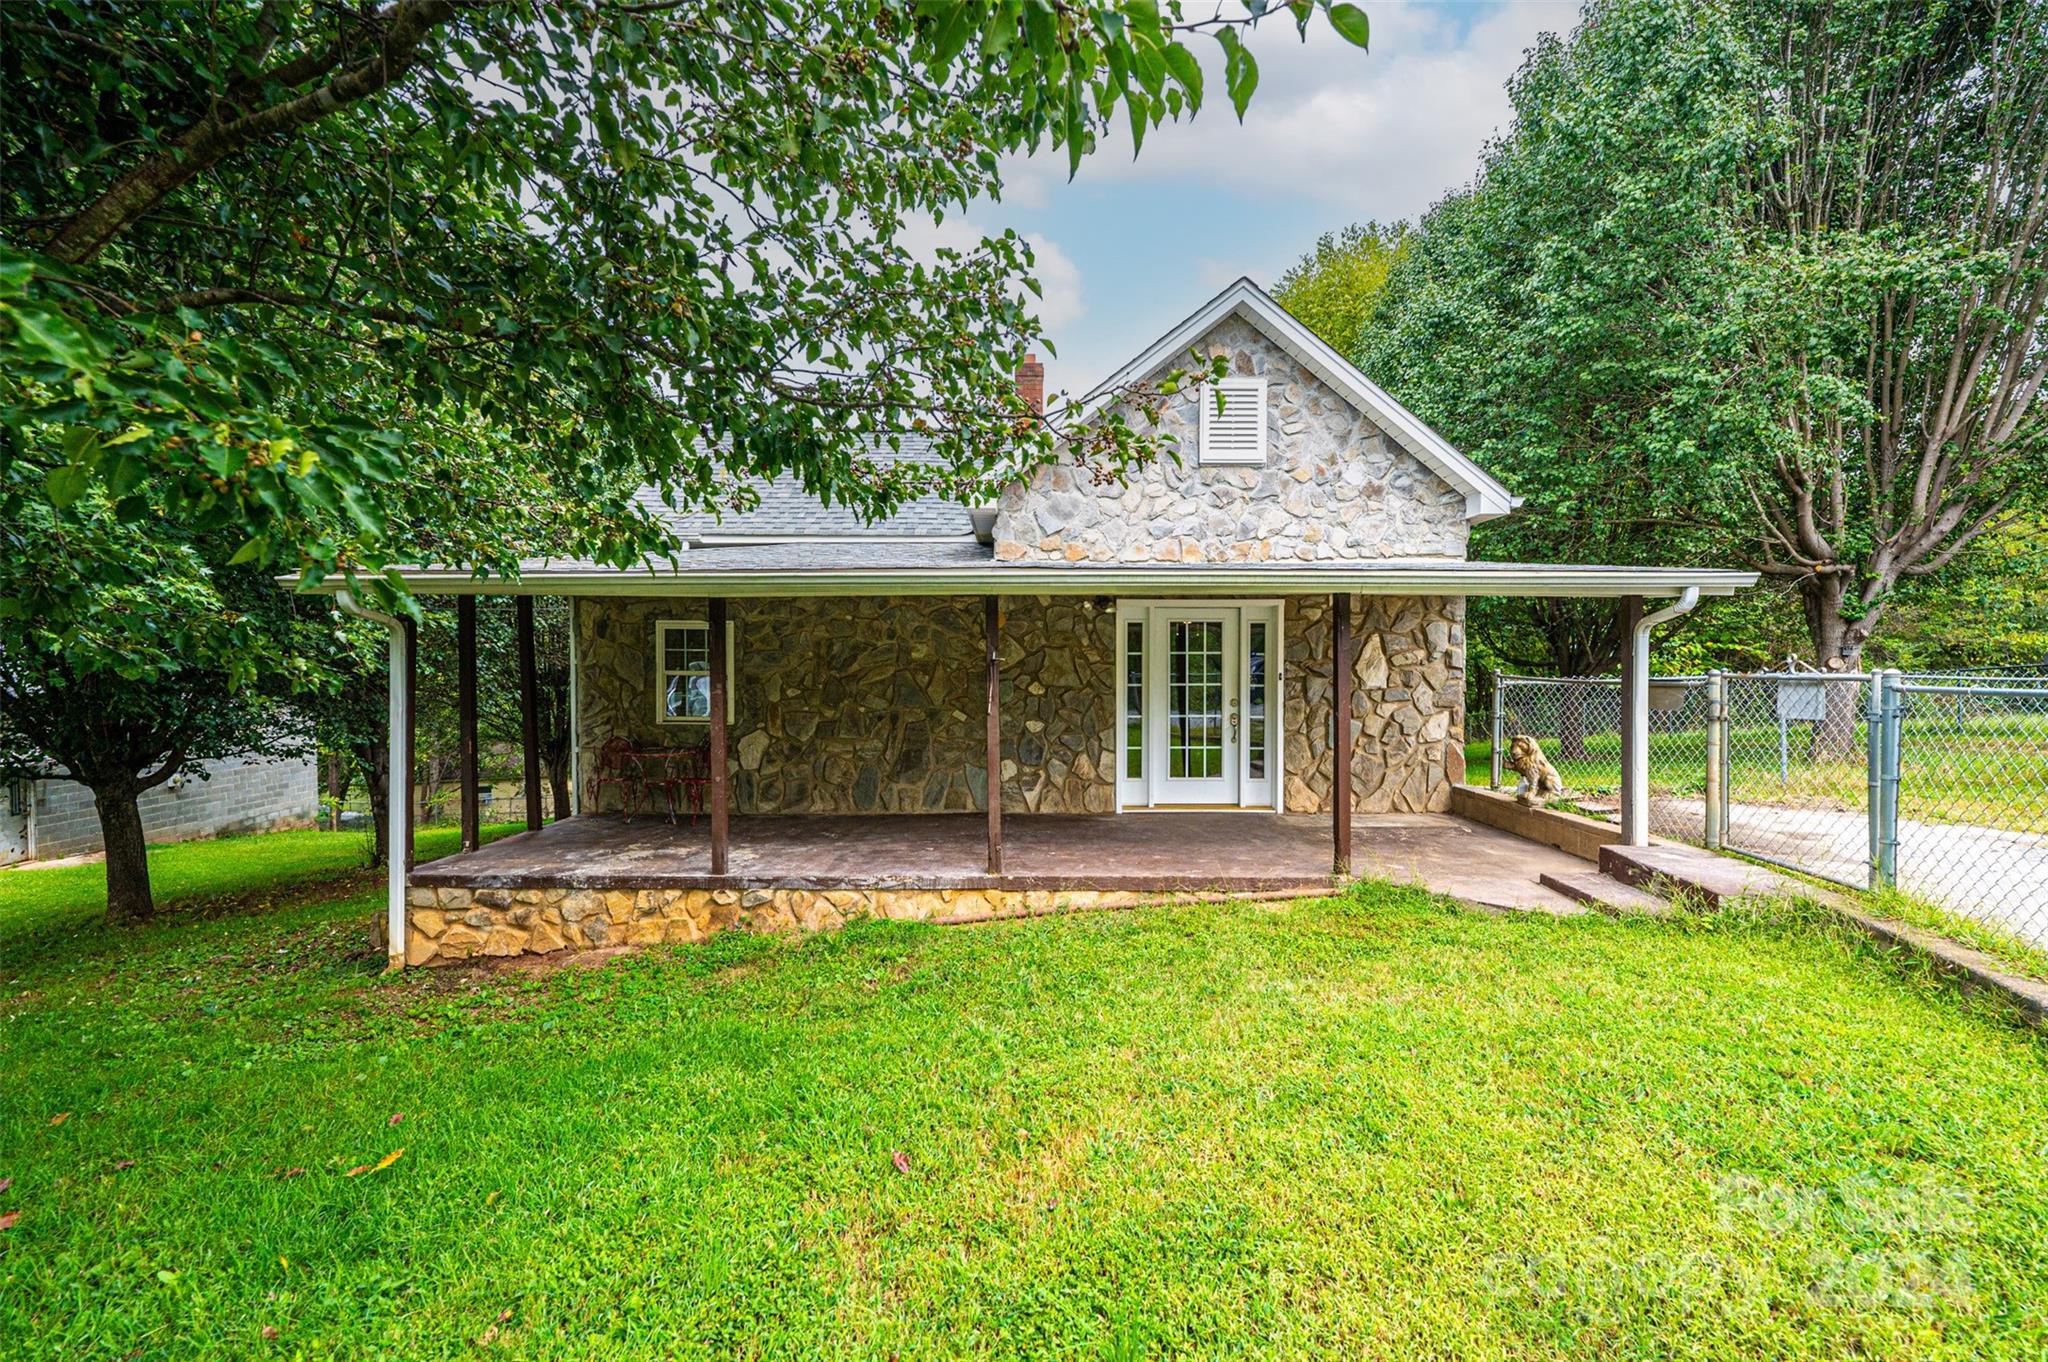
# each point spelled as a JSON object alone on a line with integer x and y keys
{"x": 1137, "y": 793}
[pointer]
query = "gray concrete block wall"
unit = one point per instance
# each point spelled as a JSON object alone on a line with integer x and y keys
{"x": 238, "y": 795}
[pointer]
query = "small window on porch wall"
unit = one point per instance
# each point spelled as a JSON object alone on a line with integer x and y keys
{"x": 682, "y": 663}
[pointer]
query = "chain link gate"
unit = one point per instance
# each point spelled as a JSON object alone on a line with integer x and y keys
{"x": 1937, "y": 783}
{"x": 1970, "y": 767}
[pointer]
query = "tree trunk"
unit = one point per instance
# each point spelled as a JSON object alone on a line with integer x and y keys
{"x": 1837, "y": 647}
{"x": 372, "y": 758}
{"x": 1571, "y": 722}
{"x": 340, "y": 776}
{"x": 128, "y": 896}
{"x": 558, "y": 785}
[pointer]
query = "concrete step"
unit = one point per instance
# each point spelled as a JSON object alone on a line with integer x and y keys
{"x": 1606, "y": 893}
{"x": 1695, "y": 873}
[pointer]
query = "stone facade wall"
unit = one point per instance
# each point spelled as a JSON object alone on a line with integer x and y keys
{"x": 875, "y": 705}
{"x": 1407, "y": 703}
{"x": 235, "y": 795}
{"x": 1334, "y": 486}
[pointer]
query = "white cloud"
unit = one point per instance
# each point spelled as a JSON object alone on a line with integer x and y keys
{"x": 1379, "y": 134}
{"x": 1062, "y": 302}
{"x": 1060, "y": 278}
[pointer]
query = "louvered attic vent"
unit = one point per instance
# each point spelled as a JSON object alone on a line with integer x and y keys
{"x": 1237, "y": 434}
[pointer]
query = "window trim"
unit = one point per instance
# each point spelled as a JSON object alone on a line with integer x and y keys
{"x": 1208, "y": 456}
{"x": 662, "y": 672}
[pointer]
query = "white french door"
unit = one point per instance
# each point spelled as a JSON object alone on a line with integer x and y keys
{"x": 1193, "y": 712}
{"x": 1199, "y": 705}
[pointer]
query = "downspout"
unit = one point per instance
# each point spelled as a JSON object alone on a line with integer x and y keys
{"x": 1635, "y": 816}
{"x": 398, "y": 783}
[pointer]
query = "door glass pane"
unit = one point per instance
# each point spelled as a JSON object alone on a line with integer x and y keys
{"x": 1194, "y": 699}
{"x": 1134, "y": 699}
{"x": 1255, "y": 703}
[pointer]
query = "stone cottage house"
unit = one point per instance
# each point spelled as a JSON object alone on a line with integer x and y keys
{"x": 1113, "y": 665}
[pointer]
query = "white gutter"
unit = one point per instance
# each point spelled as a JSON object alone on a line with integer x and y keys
{"x": 1381, "y": 578}
{"x": 1635, "y": 812}
{"x": 397, "y": 783}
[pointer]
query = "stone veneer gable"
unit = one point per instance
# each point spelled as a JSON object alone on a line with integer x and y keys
{"x": 1335, "y": 486}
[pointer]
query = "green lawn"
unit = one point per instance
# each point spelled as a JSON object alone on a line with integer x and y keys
{"x": 1376, "y": 1125}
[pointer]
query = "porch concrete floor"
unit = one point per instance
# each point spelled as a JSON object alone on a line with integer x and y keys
{"x": 1238, "y": 853}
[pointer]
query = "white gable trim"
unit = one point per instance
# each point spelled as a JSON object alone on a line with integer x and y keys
{"x": 1485, "y": 498}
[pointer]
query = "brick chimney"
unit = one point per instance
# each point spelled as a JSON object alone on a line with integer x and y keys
{"x": 1031, "y": 384}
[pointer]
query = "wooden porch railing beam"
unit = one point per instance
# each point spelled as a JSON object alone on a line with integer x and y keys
{"x": 991, "y": 629}
{"x": 465, "y": 719}
{"x": 529, "y": 715}
{"x": 1340, "y": 716}
{"x": 399, "y": 792}
{"x": 719, "y": 812}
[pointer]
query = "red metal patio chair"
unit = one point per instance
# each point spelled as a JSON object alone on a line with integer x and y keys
{"x": 617, "y": 764}
{"x": 693, "y": 775}
{"x": 682, "y": 778}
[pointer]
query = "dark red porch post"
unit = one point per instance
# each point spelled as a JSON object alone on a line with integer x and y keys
{"x": 991, "y": 630}
{"x": 1340, "y": 709}
{"x": 717, "y": 755}
{"x": 529, "y": 716}
{"x": 465, "y": 718}
{"x": 399, "y": 791}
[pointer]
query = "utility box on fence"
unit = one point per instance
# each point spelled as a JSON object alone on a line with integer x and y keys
{"x": 1803, "y": 702}
{"x": 1666, "y": 696}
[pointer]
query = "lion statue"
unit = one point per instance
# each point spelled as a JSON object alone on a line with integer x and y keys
{"x": 1540, "y": 779}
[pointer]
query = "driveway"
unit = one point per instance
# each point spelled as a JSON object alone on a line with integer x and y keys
{"x": 1995, "y": 876}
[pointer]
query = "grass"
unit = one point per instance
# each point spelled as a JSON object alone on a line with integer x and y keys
{"x": 1374, "y": 1125}
{"x": 2014, "y": 954}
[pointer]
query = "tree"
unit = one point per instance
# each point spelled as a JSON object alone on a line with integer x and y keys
{"x": 326, "y": 288}
{"x": 1531, "y": 319}
{"x": 1747, "y": 283}
{"x": 261, "y": 252}
{"x": 1333, "y": 289}
{"x": 156, "y": 676}
{"x": 1896, "y": 219}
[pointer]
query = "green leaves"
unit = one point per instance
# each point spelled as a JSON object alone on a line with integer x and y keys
{"x": 1351, "y": 24}
{"x": 66, "y": 483}
{"x": 1240, "y": 71}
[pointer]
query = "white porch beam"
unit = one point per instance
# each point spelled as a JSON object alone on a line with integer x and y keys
{"x": 1635, "y": 762}
{"x": 397, "y": 780}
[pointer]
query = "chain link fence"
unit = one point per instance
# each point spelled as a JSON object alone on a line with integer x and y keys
{"x": 1936, "y": 783}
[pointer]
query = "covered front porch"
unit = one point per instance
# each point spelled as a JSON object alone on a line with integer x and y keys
{"x": 933, "y": 867}
{"x": 862, "y": 700}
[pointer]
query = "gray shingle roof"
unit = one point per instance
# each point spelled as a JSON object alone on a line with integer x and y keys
{"x": 787, "y": 511}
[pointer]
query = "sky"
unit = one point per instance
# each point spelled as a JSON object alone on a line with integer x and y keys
{"x": 1333, "y": 135}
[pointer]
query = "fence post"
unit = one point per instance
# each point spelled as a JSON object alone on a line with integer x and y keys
{"x": 1497, "y": 721}
{"x": 1888, "y": 781}
{"x": 1717, "y": 752}
{"x": 1873, "y": 767}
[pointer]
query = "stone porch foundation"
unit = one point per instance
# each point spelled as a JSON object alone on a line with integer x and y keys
{"x": 449, "y": 925}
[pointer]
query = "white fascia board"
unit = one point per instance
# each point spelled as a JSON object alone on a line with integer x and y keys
{"x": 746, "y": 540}
{"x": 1485, "y": 497}
{"x": 1449, "y": 578}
